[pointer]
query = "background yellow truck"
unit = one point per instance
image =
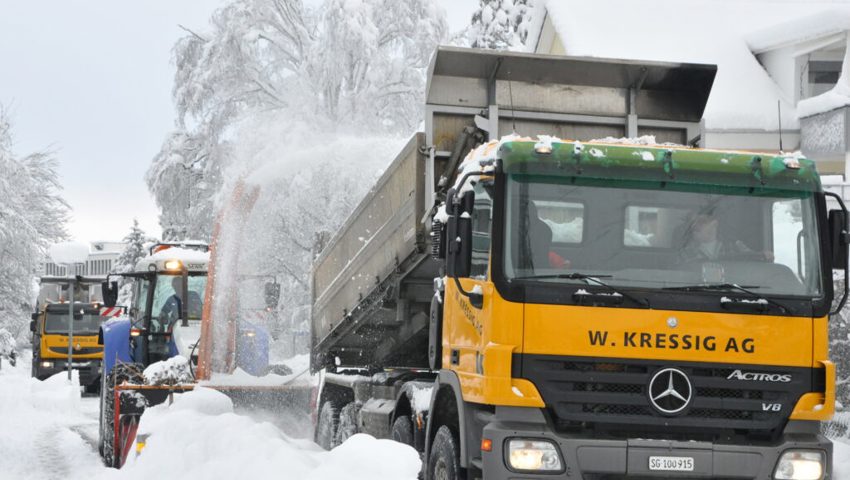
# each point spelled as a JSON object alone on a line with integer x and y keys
{"x": 50, "y": 342}
{"x": 583, "y": 309}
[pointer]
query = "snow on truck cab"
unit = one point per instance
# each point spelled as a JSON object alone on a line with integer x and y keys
{"x": 600, "y": 308}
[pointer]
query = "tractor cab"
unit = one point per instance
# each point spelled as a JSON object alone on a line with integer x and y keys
{"x": 164, "y": 317}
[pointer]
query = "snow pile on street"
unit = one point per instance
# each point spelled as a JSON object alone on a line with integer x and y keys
{"x": 199, "y": 436}
{"x": 173, "y": 371}
{"x": 841, "y": 459}
{"x": 41, "y": 425}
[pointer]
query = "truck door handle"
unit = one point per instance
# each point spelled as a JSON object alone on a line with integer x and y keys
{"x": 455, "y": 357}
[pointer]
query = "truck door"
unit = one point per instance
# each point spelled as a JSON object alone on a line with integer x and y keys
{"x": 466, "y": 326}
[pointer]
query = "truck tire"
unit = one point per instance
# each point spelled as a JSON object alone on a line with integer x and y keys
{"x": 443, "y": 463}
{"x": 403, "y": 430}
{"x": 326, "y": 425}
{"x": 120, "y": 372}
{"x": 347, "y": 426}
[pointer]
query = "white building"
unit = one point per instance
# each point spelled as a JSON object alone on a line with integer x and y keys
{"x": 99, "y": 262}
{"x": 772, "y": 56}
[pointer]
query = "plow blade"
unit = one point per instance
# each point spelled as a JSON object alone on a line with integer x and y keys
{"x": 269, "y": 399}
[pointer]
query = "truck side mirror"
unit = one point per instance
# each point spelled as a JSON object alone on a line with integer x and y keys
{"x": 34, "y": 316}
{"x": 109, "y": 290}
{"x": 32, "y": 326}
{"x": 272, "y": 294}
{"x": 839, "y": 239}
{"x": 459, "y": 239}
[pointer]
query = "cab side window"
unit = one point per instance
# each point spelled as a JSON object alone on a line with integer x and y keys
{"x": 482, "y": 220}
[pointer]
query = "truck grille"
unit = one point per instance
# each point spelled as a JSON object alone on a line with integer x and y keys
{"x": 586, "y": 394}
{"x": 81, "y": 351}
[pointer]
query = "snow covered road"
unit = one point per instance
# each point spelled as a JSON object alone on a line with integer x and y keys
{"x": 47, "y": 431}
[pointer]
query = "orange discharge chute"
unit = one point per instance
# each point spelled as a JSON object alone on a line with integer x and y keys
{"x": 224, "y": 247}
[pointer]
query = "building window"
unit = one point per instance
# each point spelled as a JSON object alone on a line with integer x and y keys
{"x": 823, "y": 75}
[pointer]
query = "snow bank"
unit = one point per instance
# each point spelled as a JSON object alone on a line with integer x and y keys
{"x": 199, "y": 436}
{"x": 841, "y": 459}
{"x": 40, "y": 425}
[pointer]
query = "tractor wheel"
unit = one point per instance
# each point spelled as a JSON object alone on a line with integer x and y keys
{"x": 326, "y": 425}
{"x": 443, "y": 463}
{"x": 347, "y": 426}
{"x": 403, "y": 430}
{"x": 120, "y": 373}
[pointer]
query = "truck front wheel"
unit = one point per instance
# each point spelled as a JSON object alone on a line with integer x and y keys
{"x": 326, "y": 425}
{"x": 443, "y": 462}
{"x": 403, "y": 430}
{"x": 347, "y": 423}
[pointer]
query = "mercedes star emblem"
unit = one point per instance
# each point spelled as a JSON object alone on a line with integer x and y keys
{"x": 670, "y": 391}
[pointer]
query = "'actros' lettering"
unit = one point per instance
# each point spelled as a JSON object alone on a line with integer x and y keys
{"x": 759, "y": 377}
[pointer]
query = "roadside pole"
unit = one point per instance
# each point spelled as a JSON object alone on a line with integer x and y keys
{"x": 70, "y": 318}
{"x": 70, "y": 254}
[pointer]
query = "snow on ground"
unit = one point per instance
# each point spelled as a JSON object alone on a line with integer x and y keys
{"x": 199, "y": 436}
{"x": 841, "y": 459}
{"x": 47, "y": 431}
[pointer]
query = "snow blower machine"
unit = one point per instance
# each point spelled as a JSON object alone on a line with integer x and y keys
{"x": 152, "y": 353}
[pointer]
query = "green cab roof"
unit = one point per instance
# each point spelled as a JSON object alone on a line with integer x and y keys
{"x": 677, "y": 166}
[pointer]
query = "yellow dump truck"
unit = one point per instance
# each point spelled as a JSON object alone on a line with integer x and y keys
{"x": 530, "y": 307}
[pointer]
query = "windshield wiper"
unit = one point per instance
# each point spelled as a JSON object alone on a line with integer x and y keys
{"x": 592, "y": 278}
{"x": 570, "y": 276}
{"x": 730, "y": 286}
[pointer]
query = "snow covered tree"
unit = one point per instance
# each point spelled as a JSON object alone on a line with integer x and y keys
{"x": 184, "y": 178}
{"x": 503, "y": 24}
{"x": 133, "y": 252}
{"x": 342, "y": 64}
{"x": 32, "y": 216}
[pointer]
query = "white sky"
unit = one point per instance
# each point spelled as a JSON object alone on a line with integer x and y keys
{"x": 91, "y": 80}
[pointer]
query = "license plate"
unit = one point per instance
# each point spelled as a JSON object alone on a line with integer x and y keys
{"x": 671, "y": 464}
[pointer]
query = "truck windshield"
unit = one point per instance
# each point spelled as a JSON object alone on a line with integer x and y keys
{"x": 656, "y": 238}
{"x": 57, "y": 322}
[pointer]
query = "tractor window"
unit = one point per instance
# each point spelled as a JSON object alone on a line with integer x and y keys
{"x": 167, "y": 298}
{"x": 140, "y": 299}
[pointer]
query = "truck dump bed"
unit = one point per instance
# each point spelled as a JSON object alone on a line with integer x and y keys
{"x": 372, "y": 285}
{"x": 383, "y": 238}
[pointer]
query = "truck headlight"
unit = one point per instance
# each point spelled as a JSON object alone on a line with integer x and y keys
{"x": 46, "y": 364}
{"x": 533, "y": 456}
{"x": 799, "y": 465}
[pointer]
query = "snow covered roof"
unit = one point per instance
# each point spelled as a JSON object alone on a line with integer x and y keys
{"x": 809, "y": 27}
{"x": 195, "y": 260}
{"x": 705, "y": 31}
